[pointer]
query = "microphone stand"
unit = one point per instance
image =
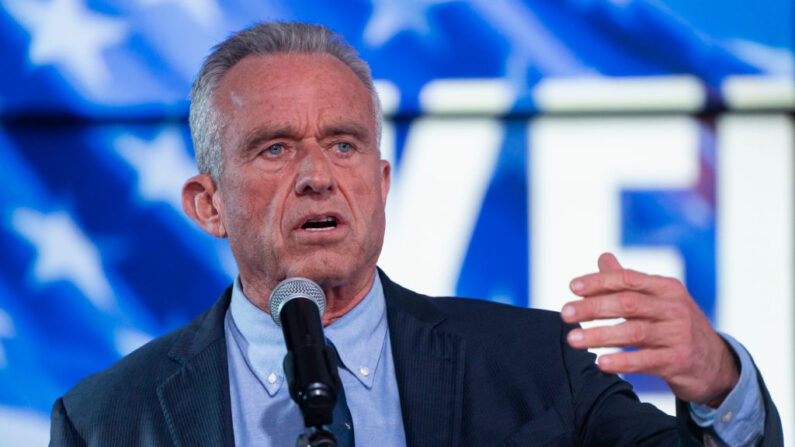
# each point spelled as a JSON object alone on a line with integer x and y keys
{"x": 315, "y": 387}
{"x": 316, "y": 403}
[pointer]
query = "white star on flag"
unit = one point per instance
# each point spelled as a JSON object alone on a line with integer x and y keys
{"x": 390, "y": 17}
{"x": 128, "y": 340}
{"x": 532, "y": 43}
{"x": 64, "y": 253}
{"x": 68, "y": 35}
{"x": 162, "y": 164}
{"x": 204, "y": 12}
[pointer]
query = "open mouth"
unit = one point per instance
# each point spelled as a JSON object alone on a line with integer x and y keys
{"x": 320, "y": 224}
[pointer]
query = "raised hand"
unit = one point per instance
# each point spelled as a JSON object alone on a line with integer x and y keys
{"x": 675, "y": 341}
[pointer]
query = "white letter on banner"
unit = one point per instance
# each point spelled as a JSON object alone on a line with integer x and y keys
{"x": 436, "y": 196}
{"x": 755, "y": 247}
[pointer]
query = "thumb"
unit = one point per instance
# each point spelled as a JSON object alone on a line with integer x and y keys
{"x": 608, "y": 263}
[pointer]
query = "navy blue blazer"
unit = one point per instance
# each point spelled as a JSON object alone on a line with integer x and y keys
{"x": 469, "y": 372}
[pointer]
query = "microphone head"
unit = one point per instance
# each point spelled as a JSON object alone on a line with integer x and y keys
{"x": 292, "y": 288}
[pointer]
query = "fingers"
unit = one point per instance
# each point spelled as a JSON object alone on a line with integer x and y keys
{"x": 675, "y": 340}
{"x": 634, "y": 333}
{"x": 608, "y": 262}
{"x": 617, "y": 280}
{"x": 625, "y": 304}
{"x": 616, "y": 292}
{"x": 647, "y": 361}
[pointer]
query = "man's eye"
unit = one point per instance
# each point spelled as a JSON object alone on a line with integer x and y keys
{"x": 275, "y": 149}
{"x": 344, "y": 147}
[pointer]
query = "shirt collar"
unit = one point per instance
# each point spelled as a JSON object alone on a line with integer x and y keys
{"x": 260, "y": 341}
{"x": 359, "y": 337}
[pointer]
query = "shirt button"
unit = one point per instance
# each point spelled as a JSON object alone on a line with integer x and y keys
{"x": 365, "y": 371}
{"x": 348, "y": 425}
{"x": 726, "y": 417}
{"x": 272, "y": 378}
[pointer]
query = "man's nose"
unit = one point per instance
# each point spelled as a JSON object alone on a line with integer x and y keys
{"x": 315, "y": 175}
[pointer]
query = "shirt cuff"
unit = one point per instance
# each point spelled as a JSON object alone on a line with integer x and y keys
{"x": 740, "y": 419}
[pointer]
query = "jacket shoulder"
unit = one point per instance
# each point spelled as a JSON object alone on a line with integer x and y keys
{"x": 128, "y": 388}
{"x": 476, "y": 318}
{"x": 482, "y": 320}
{"x": 146, "y": 364}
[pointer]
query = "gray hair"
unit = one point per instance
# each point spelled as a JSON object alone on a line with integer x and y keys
{"x": 262, "y": 39}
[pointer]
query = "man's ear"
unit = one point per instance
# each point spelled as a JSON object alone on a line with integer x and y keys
{"x": 201, "y": 201}
{"x": 386, "y": 170}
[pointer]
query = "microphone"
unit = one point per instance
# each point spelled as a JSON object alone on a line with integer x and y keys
{"x": 310, "y": 365}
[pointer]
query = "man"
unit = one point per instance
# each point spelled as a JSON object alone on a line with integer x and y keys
{"x": 286, "y": 127}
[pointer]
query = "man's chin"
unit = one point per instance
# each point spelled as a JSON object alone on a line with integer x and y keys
{"x": 326, "y": 274}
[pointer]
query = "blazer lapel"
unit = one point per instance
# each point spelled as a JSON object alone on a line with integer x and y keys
{"x": 195, "y": 399}
{"x": 429, "y": 365}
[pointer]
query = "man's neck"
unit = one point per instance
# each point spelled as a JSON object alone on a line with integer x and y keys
{"x": 340, "y": 298}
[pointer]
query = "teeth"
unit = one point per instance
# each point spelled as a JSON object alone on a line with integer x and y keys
{"x": 321, "y": 224}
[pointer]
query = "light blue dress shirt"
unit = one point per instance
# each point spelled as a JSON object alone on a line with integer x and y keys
{"x": 740, "y": 419}
{"x": 263, "y": 414}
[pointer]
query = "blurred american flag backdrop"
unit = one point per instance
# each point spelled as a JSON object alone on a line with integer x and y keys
{"x": 526, "y": 137}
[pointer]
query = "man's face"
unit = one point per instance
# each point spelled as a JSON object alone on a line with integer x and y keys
{"x": 303, "y": 187}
